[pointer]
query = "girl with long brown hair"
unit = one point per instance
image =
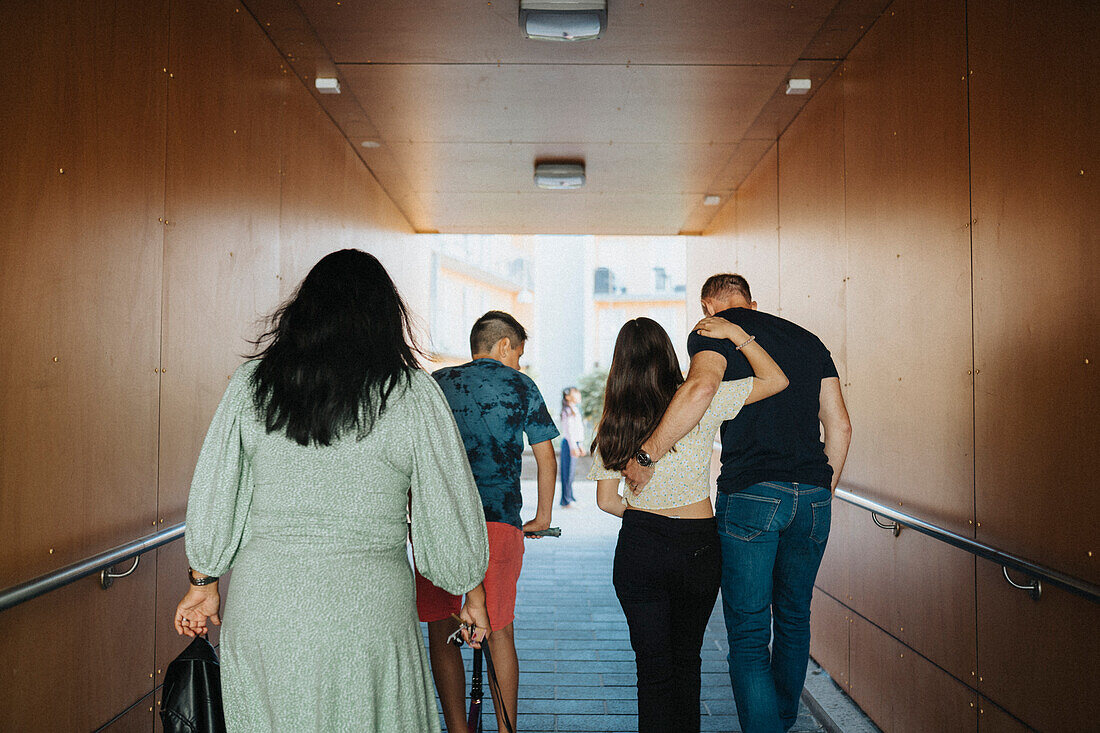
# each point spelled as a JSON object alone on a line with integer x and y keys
{"x": 667, "y": 561}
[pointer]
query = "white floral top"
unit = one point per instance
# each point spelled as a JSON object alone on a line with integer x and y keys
{"x": 682, "y": 476}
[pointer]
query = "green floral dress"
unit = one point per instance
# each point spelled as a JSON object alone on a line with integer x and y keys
{"x": 319, "y": 630}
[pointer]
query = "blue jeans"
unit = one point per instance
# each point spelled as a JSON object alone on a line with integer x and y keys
{"x": 568, "y": 466}
{"x": 773, "y": 535}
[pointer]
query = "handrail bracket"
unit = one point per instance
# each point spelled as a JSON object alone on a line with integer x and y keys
{"x": 1035, "y": 590}
{"x": 895, "y": 527}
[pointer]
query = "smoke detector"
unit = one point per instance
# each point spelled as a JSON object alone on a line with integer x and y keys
{"x": 559, "y": 176}
{"x": 563, "y": 20}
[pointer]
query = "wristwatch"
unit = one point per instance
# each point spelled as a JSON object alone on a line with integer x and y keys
{"x": 643, "y": 459}
{"x": 200, "y": 581}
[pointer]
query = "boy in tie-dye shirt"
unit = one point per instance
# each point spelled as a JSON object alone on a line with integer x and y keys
{"x": 494, "y": 405}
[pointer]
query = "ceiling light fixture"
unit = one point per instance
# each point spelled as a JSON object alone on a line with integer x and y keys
{"x": 371, "y": 144}
{"x": 798, "y": 86}
{"x": 712, "y": 200}
{"x": 563, "y": 20}
{"x": 327, "y": 85}
{"x": 559, "y": 176}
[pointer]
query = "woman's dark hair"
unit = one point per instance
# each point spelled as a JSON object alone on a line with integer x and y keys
{"x": 644, "y": 376}
{"x": 334, "y": 351}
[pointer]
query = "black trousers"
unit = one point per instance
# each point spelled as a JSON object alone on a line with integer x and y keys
{"x": 667, "y": 573}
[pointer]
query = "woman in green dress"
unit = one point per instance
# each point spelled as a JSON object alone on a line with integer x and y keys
{"x": 319, "y": 451}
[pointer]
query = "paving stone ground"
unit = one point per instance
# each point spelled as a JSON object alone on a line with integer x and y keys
{"x": 576, "y": 666}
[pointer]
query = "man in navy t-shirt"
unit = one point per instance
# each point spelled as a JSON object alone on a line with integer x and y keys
{"x": 494, "y": 405}
{"x": 775, "y": 495}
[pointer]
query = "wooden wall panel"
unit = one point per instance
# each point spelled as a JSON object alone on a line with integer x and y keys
{"x": 993, "y": 719}
{"x": 909, "y": 306}
{"x": 321, "y": 213}
{"x": 813, "y": 265}
{"x": 758, "y": 232}
{"x": 1040, "y": 660}
{"x": 918, "y": 588}
{"x": 73, "y": 659}
{"x": 1036, "y": 254}
{"x": 315, "y": 215}
{"x": 840, "y": 553}
{"x": 80, "y": 250}
{"x": 872, "y": 568}
{"x": 901, "y": 691}
{"x": 82, "y": 114}
{"x": 829, "y": 631}
{"x": 139, "y": 719}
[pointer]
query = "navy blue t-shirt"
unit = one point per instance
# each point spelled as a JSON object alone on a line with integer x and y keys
{"x": 494, "y": 405}
{"x": 778, "y": 438}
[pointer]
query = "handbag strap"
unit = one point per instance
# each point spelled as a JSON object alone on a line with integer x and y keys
{"x": 494, "y": 684}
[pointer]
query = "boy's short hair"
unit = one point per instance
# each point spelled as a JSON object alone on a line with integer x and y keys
{"x": 725, "y": 284}
{"x": 492, "y": 327}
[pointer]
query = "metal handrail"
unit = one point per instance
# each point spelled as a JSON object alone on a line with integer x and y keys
{"x": 17, "y": 594}
{"x": 1004, "y": 559}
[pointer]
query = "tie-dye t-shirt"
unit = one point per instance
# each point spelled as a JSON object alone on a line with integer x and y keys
{"x": 494, "y": 405}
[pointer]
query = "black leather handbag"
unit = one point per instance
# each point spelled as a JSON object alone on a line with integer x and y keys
{"x": 191, "y": 700}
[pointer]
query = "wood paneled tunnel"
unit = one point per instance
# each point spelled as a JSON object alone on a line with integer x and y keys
{"x": 930, "y": 212}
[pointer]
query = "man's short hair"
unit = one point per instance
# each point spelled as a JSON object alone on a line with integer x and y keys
{"x": 492, "y": 327}
{"x": 725, "y": 285}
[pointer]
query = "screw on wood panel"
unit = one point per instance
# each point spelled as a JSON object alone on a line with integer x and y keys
{"x": 162, "y": 522}
{"x": 158, "y": 672}
{"x": 979, "y": 524}
{"x": 171, "y": 76}
{"x": 61, "y": 171}
{"x": 150, "y": 675}
{"x": 55, "y": 359}
{"x": 51, "y": 550}
{"x": 969, "y": 371}
{"x": 981, "y": 679}
{"x": 977, "y": 371}
{"x": 154, "y": 523}
{"x": 971, "y": 704}
{"x": 156, "y": 370}
{"x": 1090, "y": 553}
{"x": 1086, "y": 361}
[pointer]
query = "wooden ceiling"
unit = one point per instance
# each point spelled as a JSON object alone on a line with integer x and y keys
{"x": 678, "y": 100}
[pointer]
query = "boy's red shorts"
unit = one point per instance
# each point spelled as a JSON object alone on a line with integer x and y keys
{"x": 505, "y": 562}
